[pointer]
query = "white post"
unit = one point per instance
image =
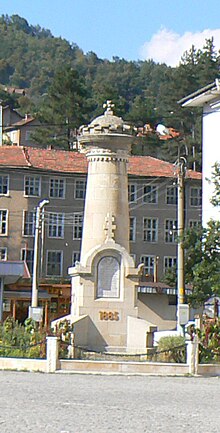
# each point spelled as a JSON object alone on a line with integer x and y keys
{"x": 180, "y": 232}
{"x": 193, "y": 356}
{"x": 1, "y": 124}
{"x": 34, "y": 301}
{"x": 1, "y": 297}
{"x": 52, "y": 354}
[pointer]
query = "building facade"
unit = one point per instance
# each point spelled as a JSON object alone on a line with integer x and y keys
{"x": 208, "y": 98}
{"x": 28, "y": 175}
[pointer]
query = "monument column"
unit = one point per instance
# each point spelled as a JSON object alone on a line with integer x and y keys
{"x": 106, "y": 215}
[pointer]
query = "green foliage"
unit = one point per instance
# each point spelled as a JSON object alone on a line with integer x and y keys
{"x": 142, "y": 91}
{"x": 209, "y": 339}
{"x": 202, "y": 262}
{"x": 63, "y": 109}
{"x": 215, "y": 200}
{"x": 173, "y": 348}
{"x": 17, "y": 340}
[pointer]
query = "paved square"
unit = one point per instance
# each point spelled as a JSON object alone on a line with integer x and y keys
{"x": 72, "y": 403}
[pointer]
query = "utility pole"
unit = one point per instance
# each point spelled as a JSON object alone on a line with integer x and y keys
{"x": 182, "y": 308}
{"x": 38, "y": 224}
{"x": 1, "y": 123}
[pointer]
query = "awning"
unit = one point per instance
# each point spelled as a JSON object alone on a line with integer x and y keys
{"x": 12, "y": 271}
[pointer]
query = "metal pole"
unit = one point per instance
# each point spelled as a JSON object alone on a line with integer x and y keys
{"x": 180, "y": 232}
{"x": 1, "y": 124}
{"x": 34, "y": 300}
{"x": 1, "y": 297}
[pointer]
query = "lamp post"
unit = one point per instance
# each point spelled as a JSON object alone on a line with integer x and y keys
{"x": 38, "y": 225}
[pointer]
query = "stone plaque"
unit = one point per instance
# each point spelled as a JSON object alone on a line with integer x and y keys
{"x": 108, "y": 284}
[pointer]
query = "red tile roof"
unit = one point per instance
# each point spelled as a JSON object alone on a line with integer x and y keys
{"x": 72, "y": 162}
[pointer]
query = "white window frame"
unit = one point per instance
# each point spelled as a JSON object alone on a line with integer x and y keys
{"x": 148, "y": 261}
{"x": 55, "y": 225}
{"x": 171, "y": 195}
{"x": 60, "y": 252}
{"x": 75, "y": 257}
{"x": 169, "y": 262}
{"x": 80, "y": 189}
{"x": 4, "y": 183}
{"x": 132, "y": 229}
{"x": 132, "y": 192}
{"x": 195, "y": 198}
{"x": 36, "y": 186}
{"x": 3, "y": 222}
{"x": 77, "y": 225}
{"x": 3, "y": 254}
{"x": 29, "y": 260}
{"x": 57, "y": 188}
{"x": 151, "y": 196}
{"x": 150, "y": 229}
{"x": 28, "y": 226}
{"x": 170, "y": 231}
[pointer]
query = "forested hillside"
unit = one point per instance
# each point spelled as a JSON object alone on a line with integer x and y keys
{"x": 65, "y": 87}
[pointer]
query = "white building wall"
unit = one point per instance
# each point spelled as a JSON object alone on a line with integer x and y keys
{"x": 211, "y": 155}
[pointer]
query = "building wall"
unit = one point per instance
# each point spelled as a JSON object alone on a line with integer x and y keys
{"x": 70, "y": 209}
{"x": 211, "y": 155}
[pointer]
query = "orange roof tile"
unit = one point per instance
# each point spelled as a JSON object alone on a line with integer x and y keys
{"x": 73, "y": 162}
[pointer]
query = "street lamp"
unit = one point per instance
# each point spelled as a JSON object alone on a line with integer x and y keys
{"x": 38, "y": 225}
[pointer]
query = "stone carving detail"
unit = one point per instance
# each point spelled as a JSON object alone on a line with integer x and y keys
{"x": 109, "y": 226}
{"x": 108, "y": 284}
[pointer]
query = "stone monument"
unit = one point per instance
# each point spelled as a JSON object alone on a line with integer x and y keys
{"x": 104, "y": 283}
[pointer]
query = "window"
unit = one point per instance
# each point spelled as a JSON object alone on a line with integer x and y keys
{"x": 80, "y": 189}
{"x": 195, "y": 196}
{"x": 27, "y": 135}
{"x": 150, "y": 194}
{"x": 3, "y": 254}
{"x": 3, "y": 222}
{"x": 132, "y": 192}
{"x": 148, "y": 262}
{"x": 169, "y": 263}
{"x": 194, "y": 224}
{"x": 54, "y": 263}
{"x": 4, "y": 185}
{"x": 77, "y": 225}
{"x": 171, "y": 195}
{"x": 57, "y": 188}
{"x": 132, "y": 229}
{"x": 56, "y": 225}
{"x": 75, "y": 257}
{"x": 150, "y": 229}
{"x": 28, "y": 223}
{"x": 28, "y": 256}
{"x": 32, "y": 186}
{"x": 170, "y": 231}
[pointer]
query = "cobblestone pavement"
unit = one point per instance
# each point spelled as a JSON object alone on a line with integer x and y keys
{"x": 74, "y": 403}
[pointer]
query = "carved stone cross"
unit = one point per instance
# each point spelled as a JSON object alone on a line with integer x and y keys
{"x": 109, "y": 107}
{"x": 109, "y": 226}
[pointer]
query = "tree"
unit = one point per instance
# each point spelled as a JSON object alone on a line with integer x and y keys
{"x": 202, "y": 255}
{"x": 215, "y": 200}
{"x": 64, "y": 109}
{"x": 202, "y": 262}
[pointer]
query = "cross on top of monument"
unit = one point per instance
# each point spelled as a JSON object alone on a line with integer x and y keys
{"x": 109, "y": 107}
{"x": 109, "y": 226}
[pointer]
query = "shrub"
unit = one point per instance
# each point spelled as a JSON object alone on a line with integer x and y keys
{"x": 172, "y": 349}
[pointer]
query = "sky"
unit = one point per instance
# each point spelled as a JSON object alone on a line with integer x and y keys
{"x": 161, "y": 30}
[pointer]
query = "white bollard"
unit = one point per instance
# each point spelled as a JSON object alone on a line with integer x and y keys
{"x": 193, "y": 356}
{"x": 52, "y": 354}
